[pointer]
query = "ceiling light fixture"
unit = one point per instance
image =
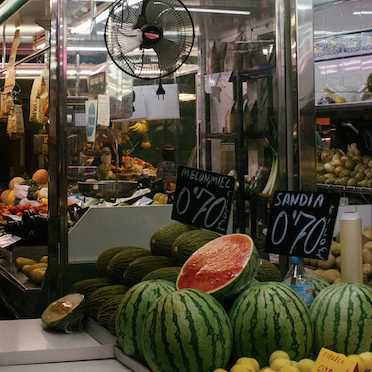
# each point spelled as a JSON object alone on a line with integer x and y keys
{"x": 216, "y": 11}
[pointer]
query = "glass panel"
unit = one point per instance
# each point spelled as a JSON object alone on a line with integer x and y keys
{"x": 221, "y": 116}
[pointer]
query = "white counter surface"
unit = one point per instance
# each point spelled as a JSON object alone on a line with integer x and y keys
{"x": 108, "y": 365}
{"x": 27, "y": 341}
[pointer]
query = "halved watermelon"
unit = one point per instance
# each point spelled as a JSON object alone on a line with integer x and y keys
{"x": 223, "y": 267}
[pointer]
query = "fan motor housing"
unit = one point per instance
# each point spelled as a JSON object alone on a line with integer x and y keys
{"x": 151, "y": 36}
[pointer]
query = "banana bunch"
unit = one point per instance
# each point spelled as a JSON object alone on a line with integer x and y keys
{"x": 140, "y": 127}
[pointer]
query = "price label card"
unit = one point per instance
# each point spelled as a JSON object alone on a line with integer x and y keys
{"x": 203, "y": 199}
{"x": 301, "y": 223}
{"x": 329, "y": 361}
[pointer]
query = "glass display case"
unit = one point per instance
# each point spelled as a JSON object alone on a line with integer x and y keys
{"x": 227, "y": 88}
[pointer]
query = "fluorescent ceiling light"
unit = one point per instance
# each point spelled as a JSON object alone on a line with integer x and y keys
{"x": 216, "y": 11}
{"x": 363, "y": 12}
{"x": 85, "y": 26}
{"x": 186, "y": 97}
{"x": 86, "y": 49}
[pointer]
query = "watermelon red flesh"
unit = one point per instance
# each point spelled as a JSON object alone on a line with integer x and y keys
{"x": 229, "y": 262}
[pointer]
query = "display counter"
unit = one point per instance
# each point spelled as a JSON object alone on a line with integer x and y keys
{"x": 30, "y": 346}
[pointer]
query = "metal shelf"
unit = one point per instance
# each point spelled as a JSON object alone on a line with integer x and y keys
{"x": 345, "y": 189}
{"x": 336, "y": 107}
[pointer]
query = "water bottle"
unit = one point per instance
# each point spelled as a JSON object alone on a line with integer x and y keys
{"x": 299, "y": 281}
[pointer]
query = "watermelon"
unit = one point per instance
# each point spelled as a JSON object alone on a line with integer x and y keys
{"x": 271, "y": 316}
{"x": 223, "y": 267}
{"x": 186, "y": 330}
{"x": 342, "y": 318}
{"x": 167, "y": 273}
{"x": 132, "y": 311}
{"x": 318, "y": 284}
{"x": 189, "y": 242}
{"x": 162, "y": 239}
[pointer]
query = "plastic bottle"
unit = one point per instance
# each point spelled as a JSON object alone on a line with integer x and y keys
{"x": 299, "y": 281}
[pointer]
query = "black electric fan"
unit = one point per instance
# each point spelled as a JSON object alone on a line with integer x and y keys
{"x": 149, "y": 39}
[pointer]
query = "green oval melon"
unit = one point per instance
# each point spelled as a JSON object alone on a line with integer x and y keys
{"x": 270, "y": 316}
{"x": 139, "y": 268}
{"x": 105, "y": 257}
{"x": 100, "y": 296}
{"x": 162, "y": 239}
{"x": 186, "y": 330}
{"x": 119, "y": 263}
{"x": 224, "y": 267}
{"x": 88, "y": 286}
{"x": 167, "y": 273}
{"x": 132, "y": 311}
{"x": 65, "y": 314}
{"x": 342, "y": 318}
{"x": 268, "y": 272}
{"x": 108, "y": 309}
{"x": 189, "y": 242}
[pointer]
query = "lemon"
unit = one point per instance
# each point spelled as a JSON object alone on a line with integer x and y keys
{"x": 278, "y": 354}
{"x": 157, "y": 196}
{"x": 305, "y": 365}
{"x": 241, "y": 368}
{"x": 164, "y": 199}
{"x": 289, "y": 369}
{"x": 293, "y": 363}
{"x": 359, "y": 359}
{"x": 267, "y": 369}
{"x": 220, "y": 370}
{"x": 250, "y": 361}
{"x": 367, "y": 357}
{"x": 279, "y": 363}
{"x": 340, "y": 99}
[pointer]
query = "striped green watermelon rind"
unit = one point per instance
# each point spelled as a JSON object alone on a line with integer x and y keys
{"x": 132, "y": 311}
{"x": 342, "y": 318}
{"x": 187, "y": 330}
{"x": 216, "y": 257}
{"x": 318, "y": 284}
{"x": 270, "y": 316}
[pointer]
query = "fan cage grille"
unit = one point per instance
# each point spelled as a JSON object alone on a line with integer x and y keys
{"x": 123, "y": 41}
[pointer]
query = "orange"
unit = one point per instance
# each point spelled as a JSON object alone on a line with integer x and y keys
{"x": 4, "y": 195}
{"x": 40, "y": 176}
{"x": 10, "y": 199}
{"x": 15, "y": 180}
{"x": 146, "y": 145}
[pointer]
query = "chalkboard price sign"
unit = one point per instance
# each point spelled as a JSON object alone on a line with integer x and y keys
{"x": 301, "y": 223}
{"x": 203, "y": 199}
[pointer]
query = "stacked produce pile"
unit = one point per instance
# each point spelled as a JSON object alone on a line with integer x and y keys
{"x": 34, "y": 270}
{"x": 26, "y": 194}
{"x": 330, "y": 270}
{"x": 192, "y": 303}
{"x": 334, "y": 167}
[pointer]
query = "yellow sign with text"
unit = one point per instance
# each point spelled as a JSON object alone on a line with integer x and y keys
{"x": 329, "y": 361}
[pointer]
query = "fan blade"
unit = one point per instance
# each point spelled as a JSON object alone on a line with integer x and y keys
{"x": 168, "y": 54}
{"x": 129, "y": 42}
{"x": 153, "y": 11}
